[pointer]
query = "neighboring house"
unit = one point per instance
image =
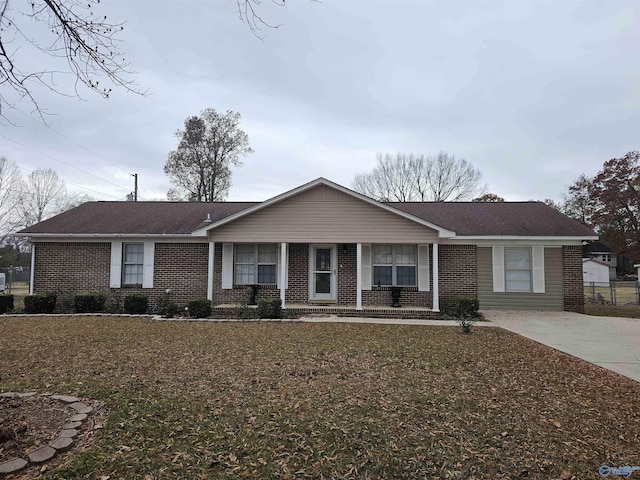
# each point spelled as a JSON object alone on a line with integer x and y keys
{"x": 595, "y": 271}
{"x": 603, "y": 253}
{"x": 319, "y": 245}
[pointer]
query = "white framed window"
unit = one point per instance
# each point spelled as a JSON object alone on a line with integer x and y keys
{"x": 518, "y": 272}
{"x": 255, "y": 263}
{"x": 132, "y": 263}
{"x": 394, "y": 265}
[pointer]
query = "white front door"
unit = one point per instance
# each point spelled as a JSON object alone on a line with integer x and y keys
{"x": 322, "y": 272}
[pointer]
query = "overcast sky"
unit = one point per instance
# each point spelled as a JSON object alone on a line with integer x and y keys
{"x": 532, "y": 92}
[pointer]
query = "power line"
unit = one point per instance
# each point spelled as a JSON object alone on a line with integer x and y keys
{"x": 63, "y": 162}
{"x": 75, "y": 142}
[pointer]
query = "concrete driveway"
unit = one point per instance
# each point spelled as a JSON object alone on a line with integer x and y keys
{"x": 610, "y": 342}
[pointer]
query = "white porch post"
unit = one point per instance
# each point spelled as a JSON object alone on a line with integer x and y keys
{"x": 283, "y": 273}
{"x": 359, "y": 276}
{"x": 32, "y": 274}
{"x": 434, "y": 269}
{"x": 212, "y": 252}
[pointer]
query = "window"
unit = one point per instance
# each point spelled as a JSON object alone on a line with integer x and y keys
{"x": 394, "y": 265}
{"x": 132, "y": 263}
{"x": 517, "y": 269}
{"x": 256, "y": 264}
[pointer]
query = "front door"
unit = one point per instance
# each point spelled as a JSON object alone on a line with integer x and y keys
{"x": 322, "y": 272}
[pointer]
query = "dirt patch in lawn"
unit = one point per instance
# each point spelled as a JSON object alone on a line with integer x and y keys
{"x": 28, "y": 423}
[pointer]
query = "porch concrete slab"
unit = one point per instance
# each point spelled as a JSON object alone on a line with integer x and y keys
{"x": 389, "y": 321}
{"x": 609, "y": 342}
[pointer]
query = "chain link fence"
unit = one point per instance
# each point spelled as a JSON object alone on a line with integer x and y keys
{"x": 15, "y": 275}
{"x": 612, "y": 293}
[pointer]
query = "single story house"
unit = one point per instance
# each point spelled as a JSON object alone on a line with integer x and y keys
{"x": 595, "y": 271}
{"x": 320, "y": 247}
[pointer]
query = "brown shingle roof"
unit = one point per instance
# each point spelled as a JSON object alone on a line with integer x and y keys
{"x": 143, "y": 218}
{"x": 499, "y": 218}
{"x": 136, "y": 218}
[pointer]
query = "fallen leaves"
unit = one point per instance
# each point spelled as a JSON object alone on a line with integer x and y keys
{"x": 260, "y": 400}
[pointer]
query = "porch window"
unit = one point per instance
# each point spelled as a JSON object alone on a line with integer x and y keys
{"x": 394, "y": 265}
{"x": 517, "y": 269}
{"x": 256, "y": 263}
{"x": 132, "y": 263}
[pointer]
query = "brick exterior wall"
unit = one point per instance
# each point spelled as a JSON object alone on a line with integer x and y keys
{"x": 67, "y": 268}
{"x": 572, "y": 278}
{"x": 457, "y": 272}
{"x": 298, "y": 291}
{"x": 347, "y": 256}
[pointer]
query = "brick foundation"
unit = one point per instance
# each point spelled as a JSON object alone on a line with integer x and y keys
{"x": 573, "y": 286}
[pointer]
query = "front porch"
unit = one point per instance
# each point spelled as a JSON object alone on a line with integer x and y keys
{"x": 297, "y": 310}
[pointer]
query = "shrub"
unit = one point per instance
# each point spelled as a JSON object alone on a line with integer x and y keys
{"x": 463, "y": 307}
{"x": 44, "y": 303}
{"x": 6, "y": 303}
{"x": 136, "y": 304}
{"x": 269, "y": 308}
{"x": 199, "y": 308}
{"x": 166, "y": 307}
{"x": 89, "y": 302}
{"x": 464, "y": 310}
{"x": 243, "y": 311}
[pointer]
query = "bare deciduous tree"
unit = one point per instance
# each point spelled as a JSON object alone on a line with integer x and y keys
{"x": 70, "y": 37}
{"x": 43, "y": 195}
{"x": 408, "y": 177}
{"x": 10, "y": 187}
{"x": 200, "y": 168}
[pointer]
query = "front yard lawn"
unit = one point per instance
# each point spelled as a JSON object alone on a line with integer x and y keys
{"x": 298, "y": 400}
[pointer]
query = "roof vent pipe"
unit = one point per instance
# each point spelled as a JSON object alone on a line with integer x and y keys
{"x": 208, "y": 219}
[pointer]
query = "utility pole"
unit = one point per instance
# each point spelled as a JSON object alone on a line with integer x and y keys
{"x": 135, "y": 187}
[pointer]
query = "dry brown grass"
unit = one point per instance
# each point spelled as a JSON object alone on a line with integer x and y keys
{"x": 295, "y": 400}
{"x": 629, "y": 311}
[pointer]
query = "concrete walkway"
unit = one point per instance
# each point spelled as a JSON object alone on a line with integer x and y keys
{"x": 610, "y": 342}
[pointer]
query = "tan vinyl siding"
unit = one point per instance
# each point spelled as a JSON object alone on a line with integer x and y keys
{"x": 552, "y": 299}
{"x": 323, "y": 214}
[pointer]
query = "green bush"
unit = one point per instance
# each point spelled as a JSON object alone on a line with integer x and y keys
{"x": 42, "y": 303}
{"x": 462, "y": 307}
{"x": 166, "y": 307}
{"x": 199, "y": 308}
{"x": 243, "y": 311}
{"x": 89, "y": 302}
{"x": 6, "y": 303}
{"x": 464, "y": 310}
{"x": 269, "y": 308}
{"x": 136, "y": 304}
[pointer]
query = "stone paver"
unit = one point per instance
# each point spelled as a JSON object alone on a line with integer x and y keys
{"x": 66, "y": 398}
{"x": 12, "y": 465}
{"x": 81, "y": 407}
{"x": 72, "y": 424}
{"x": 61, "y": 443}
{"x": 41, "y": 454}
